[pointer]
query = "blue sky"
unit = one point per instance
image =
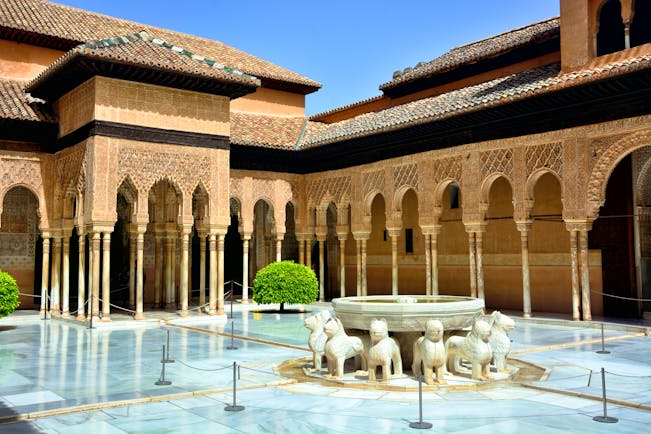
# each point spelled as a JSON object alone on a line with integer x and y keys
{"x": 351, "y": 47}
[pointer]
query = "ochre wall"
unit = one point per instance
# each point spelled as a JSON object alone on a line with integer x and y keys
{"x": 271, "y": 101}
{"x": 24, "y": 62}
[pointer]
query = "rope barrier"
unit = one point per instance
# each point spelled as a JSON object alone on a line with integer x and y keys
{"x": 622, "y": 298}
{"x": 628, "y": 376}
{"x": 204, "y": 369}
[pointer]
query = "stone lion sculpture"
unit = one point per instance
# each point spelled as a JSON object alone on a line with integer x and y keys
{"x": 499, "y": 340}
{"x": 382, "y": 351}
{"x": 430, "y": 351}
{"x": 340, "y": 347}
{"x": 474, "y": 348}
{"x": 317, "y": 340}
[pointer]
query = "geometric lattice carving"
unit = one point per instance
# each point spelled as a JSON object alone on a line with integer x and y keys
{"x": 338, "y": 188}
{"x": 549, "y": 155}
{"x": 497, "y": 161}
{"x": 446, "y": 168}
{"x": 68, "y": 168}
{"x": 19, "y": 228}
{"x": 406, "y": 174}
{"x": 373, "y": 181}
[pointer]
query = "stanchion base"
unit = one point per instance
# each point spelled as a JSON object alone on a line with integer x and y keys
{"x": 230, "y": 347}
{"x": 420, "y": 425}
{"x": 234, "y": 408}
{"x": 163, "y": 383}
{"x": 602, "y": 352}
{"x": 167, "y": 361}
{"x": 605, "y": 419}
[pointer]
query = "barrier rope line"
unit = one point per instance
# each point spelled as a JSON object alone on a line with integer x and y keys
{"x": 204, "y": 369}
{"x": 628, "y": 376}
{"x": 622, "y": 298}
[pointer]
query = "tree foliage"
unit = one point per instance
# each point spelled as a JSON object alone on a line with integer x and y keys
{"x": 8, "y": 294}
{"x": 285, "y": 282}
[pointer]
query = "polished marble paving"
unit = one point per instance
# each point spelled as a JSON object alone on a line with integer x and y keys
{"x": 57, "y": 367}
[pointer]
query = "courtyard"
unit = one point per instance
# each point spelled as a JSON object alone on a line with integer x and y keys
{"x": 62, "y": 377}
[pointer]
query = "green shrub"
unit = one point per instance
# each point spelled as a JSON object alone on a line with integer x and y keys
{"x": 8, "y": 294}
{"x": 285, "y": 282}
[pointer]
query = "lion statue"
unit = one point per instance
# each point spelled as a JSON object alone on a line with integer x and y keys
{"x": 499, "y": 341}
{"x": 429, "y": 351}
{"x": 340, "y": 347}
{"x": 318, "y": 338}
{"x": 473, "y": 348}
{"x": 382, "y": 351}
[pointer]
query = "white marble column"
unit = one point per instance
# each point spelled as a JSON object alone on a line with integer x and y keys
{"x": 342, "y": 265}
{"x": 65, "y": 281}
{"x": 524, "y": 228}
{"x": 435, "y": 260}
{"x": 212, "y": 296}
{"x": 479, "y": 249}
{"x": 585, "y": 275}
{"x": 358, "y": 255}
{"x": 279, "y": 248}
{"x": 321, "y": 242}
{"x": 106, "y": 277}
{"x": 96, "y": 240}
{"x": 428, "y": 264}
{"x": 158, "y": 270}
{"x": 473, "y": 264}
{"x": 245, "y": 268}
{"x": 173, "y": 286}
{"x": 220, "y": 274}
{"x": 574, "y": 261}
{"x": 81, "y": 278}
{"x": 169, "y": 276}
{"x": 308, "y": 252}
{"x": 183, "y": 287}
{"x": 45, "y": 275}
{"x": 133, "y": 235}
{"x": 202, "y": 269}
{"x": 55, "y": 304}
{"x": 394, "y": 234}
{"x": 301, "y": 250}
{"x": 140, "y": 259}
{"x": 364, "y": 283}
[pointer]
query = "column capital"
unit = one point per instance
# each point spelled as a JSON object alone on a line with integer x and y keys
{"x": 394, "y": 232}
{"x": 185, "y": 228}
{"x": 475, "y": 226}
{"x": 361, "y": 235}
{"x": 524, "y": 226}
{"x": 578, "y": 225}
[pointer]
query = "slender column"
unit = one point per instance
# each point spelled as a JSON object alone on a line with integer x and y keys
{"x": 81, "y": 279}
{"x": 45, "y": 276}
{"x": 183, "y": 290}
{"x": 212, "y": 296}
{"x": 202, "y": 269}
{"x": 342, "y": 266}
{"x": 140, "y": 247}
{"x": 173, "y": 286}
{"x": 106, "y": 277}
{"x": 220, "y": 275}
{"x": 169, "y": 283}
{"x": 245, "y": 267}
{"x": 321, "y": 269}
{"x": 56, "y": 267}
{"x": 132, "y": 268}
{"x": 358, "y": 250}
{"x": 65, "y": 281}
{"x": 576, "y": 315}
{"x": 479, "y": 247}
{"x": 585, "y": 275}
{"x": 158, "y": 270}
{"x": 308, "y": 252}
{"x": 364, "y": 287}
{"x": 279, "y": 248}
{"x": 428, "y": 265}
{"x": 394, "y": 261}
{"x": 526, "y": 289}
{"x": 301, "y": 250}
{"x": 435, "y": 262}
{"x": 95, "y": 258}
{"x": 471, "y": 260}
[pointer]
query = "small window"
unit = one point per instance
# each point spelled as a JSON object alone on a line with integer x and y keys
{"x": 454, "y": 196}
{"x": 384, "y": 236}
{"x": 610, "y": 36}
{"x": 409, "y": 240}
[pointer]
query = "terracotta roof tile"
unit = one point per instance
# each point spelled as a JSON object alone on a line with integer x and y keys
{"x": 493, "y": 93}
{"x": 266, "y": 131}
{"x": 79, "y": 26}
{"x": 16, "y": 104}
{"x": 479, "y": 50}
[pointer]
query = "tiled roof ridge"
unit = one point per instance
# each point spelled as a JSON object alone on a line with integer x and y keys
{"x": 144, "y": 36}
{"x": 315, "y": 117}
{"x": 447, "y": 60}
{"x": 550, "y": 82}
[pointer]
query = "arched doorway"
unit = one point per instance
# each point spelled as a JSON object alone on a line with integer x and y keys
{"x": 452, "y": 244}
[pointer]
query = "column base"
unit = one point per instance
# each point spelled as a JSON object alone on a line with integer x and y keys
{"x": 96, "y": 318}
{"x": 65, "y": 315}
{"x": 139, "y": 316}
{"x": 184, "y": 312}
{"x": 526, "y": 315}
{"x": 105, "y": 318}
{"x": 55, "y": 312}
{"x": 244, "y": 301}
{"x": 80, "y": 317}
{"x": 171, "y": 306}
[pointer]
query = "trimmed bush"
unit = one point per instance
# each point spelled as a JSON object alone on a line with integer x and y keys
{"x": 8, "y": 294}
{"x": 285, "y": 282}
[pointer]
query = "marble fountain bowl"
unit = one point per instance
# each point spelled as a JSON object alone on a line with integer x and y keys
{"x": 408, "y": 313}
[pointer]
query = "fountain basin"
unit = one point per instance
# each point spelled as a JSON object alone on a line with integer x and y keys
{"x": 405, "y": 313}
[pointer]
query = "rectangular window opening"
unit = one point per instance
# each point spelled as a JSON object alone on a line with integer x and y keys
{"x": 409, "y": 240}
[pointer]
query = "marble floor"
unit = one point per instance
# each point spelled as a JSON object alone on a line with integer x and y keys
{"x": 58, "y": 377}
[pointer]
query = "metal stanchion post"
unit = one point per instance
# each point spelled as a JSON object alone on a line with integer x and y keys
{"x": 162, "y": 381}
{"x": 605, "y": 418}
{"x": 234, "y": 407}
{"x": 420, "y": 424}
{"x": 231, "y": 299}
{"x": 232, "y": 345}
{"x": 166, "y": 357}
{"x": 603, "y": 349}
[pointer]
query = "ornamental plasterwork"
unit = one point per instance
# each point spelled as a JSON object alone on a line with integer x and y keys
{"x": 549, "y": 155}
{"x": 496, "y": 161}
{"x": 405, "y": 175}
{"x": 373, "y": 181}
{"x": 446, "y": 168}
{"x": 337, "y": 188}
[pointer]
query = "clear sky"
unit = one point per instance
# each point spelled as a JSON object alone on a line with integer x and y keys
{"x": 351, "y": 47}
